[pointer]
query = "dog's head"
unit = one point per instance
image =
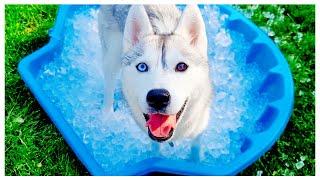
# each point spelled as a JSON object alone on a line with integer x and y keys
{"x": 162, "y": 73}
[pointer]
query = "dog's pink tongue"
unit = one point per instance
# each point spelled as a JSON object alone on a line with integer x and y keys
{"x": 160, "y": 125}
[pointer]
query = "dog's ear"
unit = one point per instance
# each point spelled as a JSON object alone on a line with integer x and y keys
{"x": 137, "y": 26}
{"x": 192, "y": 27}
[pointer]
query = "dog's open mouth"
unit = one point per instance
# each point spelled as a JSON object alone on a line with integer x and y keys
{"x": 161, "y": 126}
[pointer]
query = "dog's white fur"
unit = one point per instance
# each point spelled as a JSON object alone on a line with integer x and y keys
{"x": 147, "y": 30}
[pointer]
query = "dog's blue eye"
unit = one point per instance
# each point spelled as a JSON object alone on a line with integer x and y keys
{"x": 181, "y": 67}
{"x": 142, "y": 67}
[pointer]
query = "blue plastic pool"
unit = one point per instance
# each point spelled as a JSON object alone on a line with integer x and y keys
{"x": 277, "y": 86}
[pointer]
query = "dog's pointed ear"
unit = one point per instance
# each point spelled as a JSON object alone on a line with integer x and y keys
{"x": 137, "y": 26}
{"x": 191, "y": 26}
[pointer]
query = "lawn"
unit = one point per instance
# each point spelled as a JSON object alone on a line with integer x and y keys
{"x": 33, "y": 146}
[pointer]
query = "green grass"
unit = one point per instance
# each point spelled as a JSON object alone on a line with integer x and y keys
{"x": 293, "y": 29}
{"x": 33, "y": 146}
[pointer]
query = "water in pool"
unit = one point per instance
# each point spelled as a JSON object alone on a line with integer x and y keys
{"x": 73, "y": 81}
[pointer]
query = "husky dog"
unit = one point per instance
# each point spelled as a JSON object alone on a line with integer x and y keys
{"x": 162, "y": 56}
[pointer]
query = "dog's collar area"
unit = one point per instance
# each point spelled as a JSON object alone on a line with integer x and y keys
{"x": 171, "y": 144}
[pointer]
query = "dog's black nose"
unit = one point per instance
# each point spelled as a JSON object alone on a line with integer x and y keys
{"x": 158, "y": 98}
